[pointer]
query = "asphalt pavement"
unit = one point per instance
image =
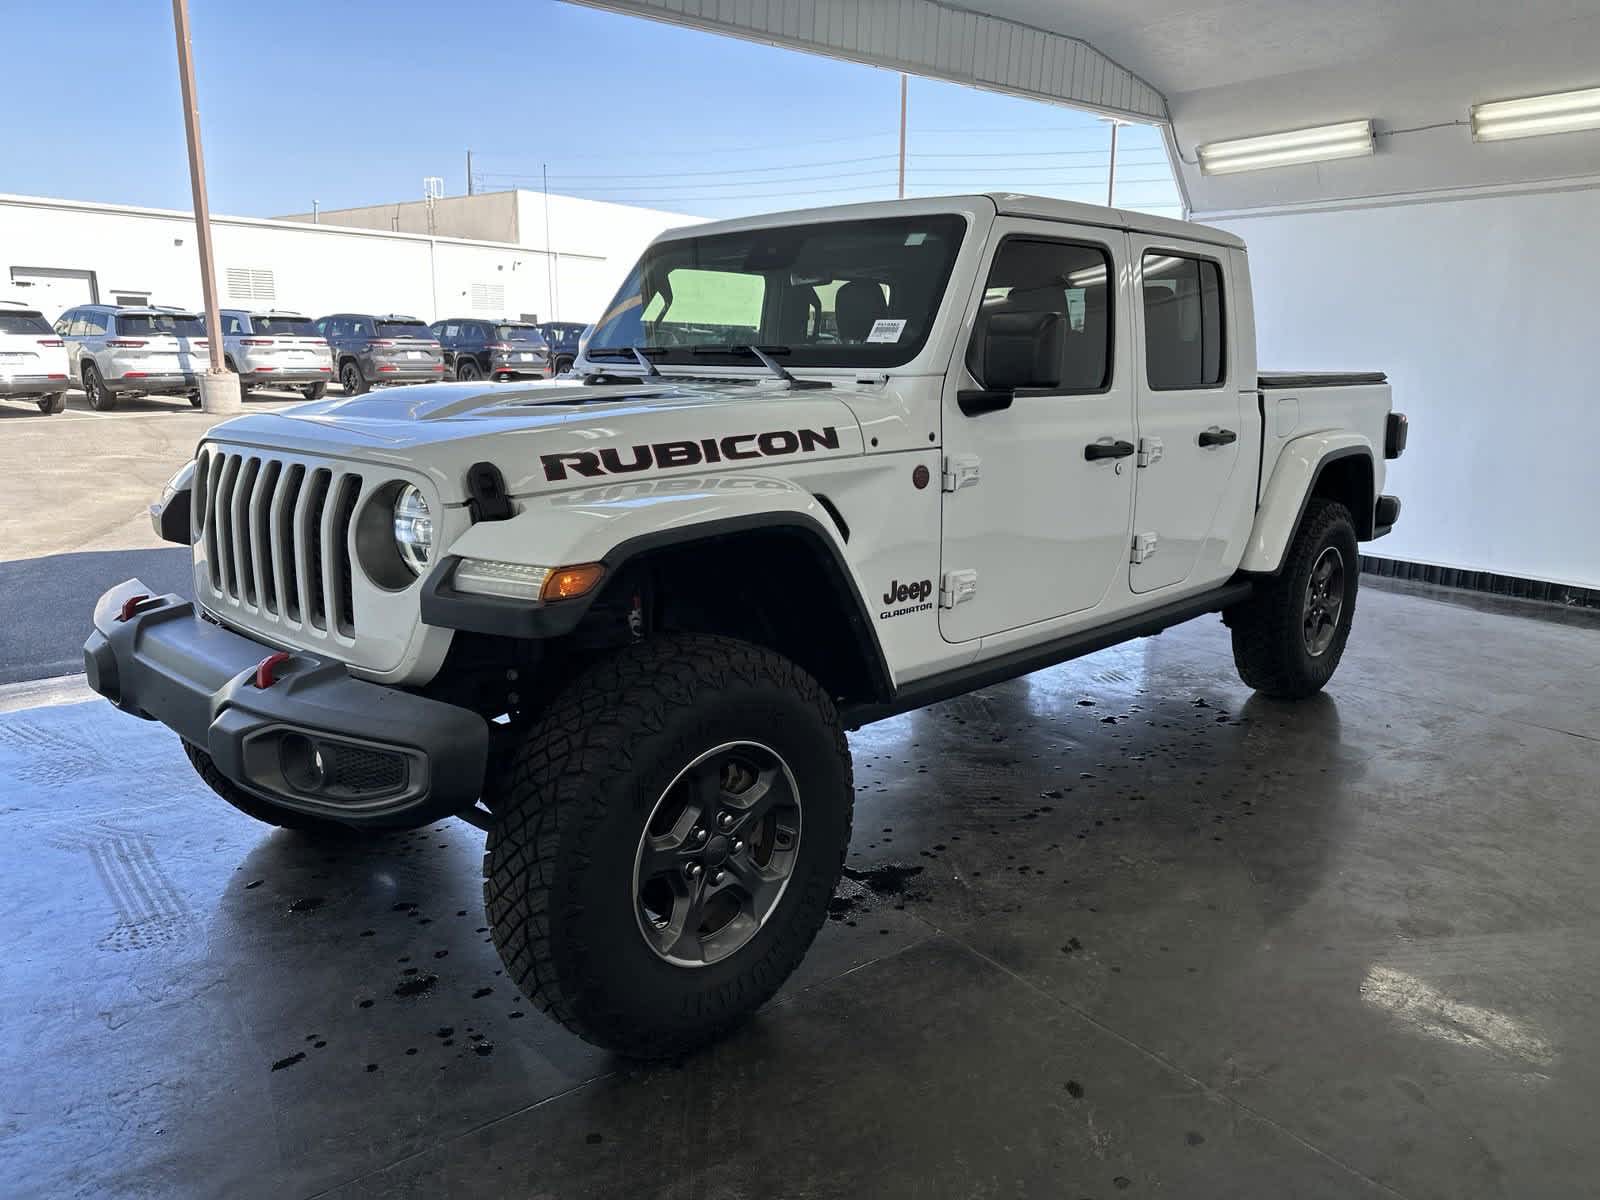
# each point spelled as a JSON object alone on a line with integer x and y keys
{"x": 46, "y": 604}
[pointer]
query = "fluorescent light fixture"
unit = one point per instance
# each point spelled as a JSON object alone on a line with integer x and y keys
{"x": 1348, "y": 139}
{"x": 1560, "y": 112}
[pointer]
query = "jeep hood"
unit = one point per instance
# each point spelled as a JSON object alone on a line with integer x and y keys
{"x": 560, "y": 434}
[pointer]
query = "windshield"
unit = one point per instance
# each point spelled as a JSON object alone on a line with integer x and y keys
{"x": 181, "y": 324}
{"x": 283, "y": 326}
{"x": 518, "y": 333}
{"x": 23, "y": 323}
{"x": 844, "y": 293}
{"x": 398, "y": 329}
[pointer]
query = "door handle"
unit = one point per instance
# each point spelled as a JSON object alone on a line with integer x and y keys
{"x": 1095, "y": 451}
{"x": 1214, "y": 437}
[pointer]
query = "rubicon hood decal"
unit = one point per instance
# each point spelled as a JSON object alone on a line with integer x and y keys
{"x": 613, "y": 460}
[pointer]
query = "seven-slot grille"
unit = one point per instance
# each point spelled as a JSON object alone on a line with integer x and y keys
{"x": 277, "y": 537}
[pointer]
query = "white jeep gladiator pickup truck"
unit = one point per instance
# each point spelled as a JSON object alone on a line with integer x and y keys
{"x": 813, "y": 470}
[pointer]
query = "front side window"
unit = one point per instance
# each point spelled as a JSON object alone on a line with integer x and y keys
{"x": 1051, "y": 302}
{"x": 843, "y": 293}
{"x": 1182, "y": 322}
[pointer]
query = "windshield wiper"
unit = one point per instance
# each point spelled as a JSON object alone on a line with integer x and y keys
{"x": 764, "y": 354}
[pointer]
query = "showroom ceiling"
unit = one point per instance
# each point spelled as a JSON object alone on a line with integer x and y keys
{"x": 1228, "y": 69}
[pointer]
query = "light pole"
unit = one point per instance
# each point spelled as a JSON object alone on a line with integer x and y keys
{"x": 219, "y": 387}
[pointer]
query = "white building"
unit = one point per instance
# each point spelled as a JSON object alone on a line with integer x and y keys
{"x": 501, "y": 258}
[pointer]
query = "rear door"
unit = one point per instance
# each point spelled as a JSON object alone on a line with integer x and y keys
{"x": 1039, "y": 489}
{"x": 1190, "y": 421}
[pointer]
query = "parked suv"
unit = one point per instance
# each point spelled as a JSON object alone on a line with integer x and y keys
{"x": 369, "y": 350}
{"x": 33, "y": 360}
{"x": 492, "y": 349}
{"x": 563, "y": 338}
{"x": 276, "y": 349}
{"x": 116, "y": 352}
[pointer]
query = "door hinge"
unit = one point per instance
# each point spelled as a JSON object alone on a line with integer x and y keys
{"x": 956, "y": 587}
{"x": 1150, "y": 451}
{"x": 960, "y": 470}
{"x": 1144, "y": 545}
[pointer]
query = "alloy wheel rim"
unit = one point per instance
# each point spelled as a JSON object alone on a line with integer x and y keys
{"x": 716, "y": 854}
{"x": 1324, "y": 602}
{"x": 350, "y": 379}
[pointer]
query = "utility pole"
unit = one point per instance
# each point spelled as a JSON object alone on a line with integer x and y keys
{"x": 902, "y": 135}
{"x": 469, "y": 172}
{"x": 1111, "y": 170}
{"x": 219, "y": 388}
{"x": 549, "y": 247}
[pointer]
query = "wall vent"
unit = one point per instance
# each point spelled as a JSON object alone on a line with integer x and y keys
{"x": 252, "y": 284}
{"x": 489, "y": 298}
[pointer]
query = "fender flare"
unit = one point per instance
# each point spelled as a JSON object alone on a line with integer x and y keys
{"x": 1300, "y": 465}
{"x": 593, "y": 525}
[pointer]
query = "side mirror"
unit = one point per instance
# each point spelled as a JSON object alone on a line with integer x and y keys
{"x": 1019, "y": 350}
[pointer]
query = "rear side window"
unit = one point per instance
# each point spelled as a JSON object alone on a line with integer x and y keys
{"x": 1182, "y": 322}
{"x": 233, "y": 323}
{"x": 11, "y": 322}
{"x": 1060, "y": 290}
{"x": 90, "y": 324}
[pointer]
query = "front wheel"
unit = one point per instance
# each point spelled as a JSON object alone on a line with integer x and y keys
{"x": 666, "y": 840}
{"x": 1289, "y": 636}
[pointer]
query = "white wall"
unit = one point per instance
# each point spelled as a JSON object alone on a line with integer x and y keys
{"x": 316, "y": 269}
{"x": 1483, "y": 311}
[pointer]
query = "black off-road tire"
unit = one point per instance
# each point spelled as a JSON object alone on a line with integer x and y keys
{"x": 570, "y": 804}
{"x": 51, "y": 405}
{"x": 254, "y": 806}
{"x": 1269, "y": 643}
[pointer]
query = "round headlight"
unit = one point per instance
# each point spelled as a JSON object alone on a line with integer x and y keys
{"x": 413, "y": 529}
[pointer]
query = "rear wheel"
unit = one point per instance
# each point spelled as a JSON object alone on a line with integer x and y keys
{"x": 254, "y": 806}
{"x": 467, "y": 369}
{"x": 314, "y": 391}
{"x": 666, "y": 841}
{"x": 563, "y": 364}
{"x": 1289, "y": 636}
{"x": 101, "y": 398}
{"x": 351, "y": 378}
{"x": 53, "y": 404}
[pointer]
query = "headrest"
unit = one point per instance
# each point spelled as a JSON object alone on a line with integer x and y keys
{"x": 856, "y": 305}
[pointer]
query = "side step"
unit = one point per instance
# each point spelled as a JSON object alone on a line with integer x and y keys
{"x": 920, "y": 693}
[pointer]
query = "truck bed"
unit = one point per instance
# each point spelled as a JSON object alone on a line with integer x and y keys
{"x": 1319, "y": 404}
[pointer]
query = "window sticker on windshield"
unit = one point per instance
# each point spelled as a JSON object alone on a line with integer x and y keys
{"x": 916, "y": 239}
{"x": 885, "y": 330}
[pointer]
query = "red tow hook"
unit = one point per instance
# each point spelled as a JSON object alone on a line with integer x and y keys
{"x": 267, "y": 668}
{"x": 131, "y": 605}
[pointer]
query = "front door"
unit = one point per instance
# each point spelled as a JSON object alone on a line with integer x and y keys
{"x": 1039, "y": 481}
{"x": 1191, "y": 426}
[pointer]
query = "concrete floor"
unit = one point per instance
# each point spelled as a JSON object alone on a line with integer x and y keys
{"x": 1155, "y": 937}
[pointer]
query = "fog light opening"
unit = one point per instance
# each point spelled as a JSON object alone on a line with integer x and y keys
{"x": 303, "y": 763}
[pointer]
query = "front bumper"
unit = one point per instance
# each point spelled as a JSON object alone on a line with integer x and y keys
{"x": 383, "y": 757}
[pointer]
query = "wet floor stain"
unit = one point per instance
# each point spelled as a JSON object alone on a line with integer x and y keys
{"x": 291, "y": 1060}
{"x": 307, "y": 904}
{"x": 415, "y": 985}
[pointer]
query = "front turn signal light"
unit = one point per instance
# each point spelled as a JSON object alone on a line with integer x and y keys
{"x": 568, "y": 583}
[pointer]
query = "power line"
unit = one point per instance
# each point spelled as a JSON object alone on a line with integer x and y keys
{"x": 736, "y": 183}
{"x": 793, "y": 166}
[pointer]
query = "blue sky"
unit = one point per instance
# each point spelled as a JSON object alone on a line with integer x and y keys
{"x": 354, "y": 102}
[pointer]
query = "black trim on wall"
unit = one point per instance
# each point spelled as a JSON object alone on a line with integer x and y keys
{"x": 1482, "y": 581}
